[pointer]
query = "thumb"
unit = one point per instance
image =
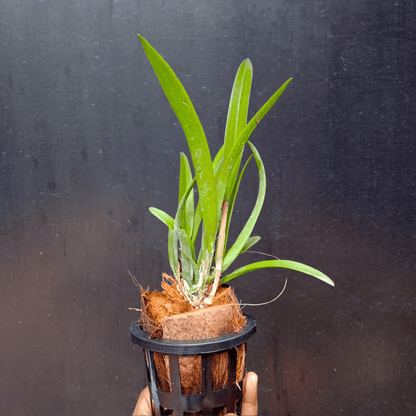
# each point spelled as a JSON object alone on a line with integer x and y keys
{"x": 144, "y": 404}
{"x": 249, "y": 406}
{"x": 249, "y": 402}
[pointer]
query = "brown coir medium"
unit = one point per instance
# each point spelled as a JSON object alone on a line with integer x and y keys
{"x": 168, "y": 315}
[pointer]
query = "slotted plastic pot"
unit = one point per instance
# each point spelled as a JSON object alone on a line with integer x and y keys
{"x": 209, "y": 401}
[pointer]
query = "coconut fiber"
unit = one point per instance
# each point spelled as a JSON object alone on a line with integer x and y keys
{"x": 169, "y": 315}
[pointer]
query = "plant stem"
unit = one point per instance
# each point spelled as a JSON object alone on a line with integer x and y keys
{"x": 220, "y": 253}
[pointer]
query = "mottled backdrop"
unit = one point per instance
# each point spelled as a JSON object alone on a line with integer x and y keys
{"x": 88, "y": 142}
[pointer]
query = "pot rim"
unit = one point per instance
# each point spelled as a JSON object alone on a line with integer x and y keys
{"x": 192, "y": 347}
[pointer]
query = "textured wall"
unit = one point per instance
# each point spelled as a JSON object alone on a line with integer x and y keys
{"x": 88, "y": 142}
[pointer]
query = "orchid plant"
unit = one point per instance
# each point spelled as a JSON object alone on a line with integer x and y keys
{"x": 217, "y": 181}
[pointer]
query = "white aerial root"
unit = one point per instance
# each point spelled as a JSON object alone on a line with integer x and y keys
{"x": 269, "y": 301}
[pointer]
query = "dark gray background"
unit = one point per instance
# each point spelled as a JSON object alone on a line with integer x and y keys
{"x": 88, "y": 142}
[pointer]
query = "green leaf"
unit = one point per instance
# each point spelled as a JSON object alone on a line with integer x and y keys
{"x": 232, "y": 197}
{"x": 238, "y": 106}
{"x": 217, "y": 160}
{"x": 187, "y": 255}
{"x": 236, "y": 121}
{"x": 237, "y": 117}
{"x": 187, "y": 249}
{"x": 185, "y": 178}
{"x": 162, "y": 216}
{"x": 241, "y": 240}
{"x": 182, "y": 205}
{"x": 195, "y": 136}
{"x": 240, "y": 142}
{"x": 232, "y": 178}
{"x": 173, "y": 253}
{"x": 287, "y": 264}
{"x": 198, "y": 212}
{"x": 250, "y": 243}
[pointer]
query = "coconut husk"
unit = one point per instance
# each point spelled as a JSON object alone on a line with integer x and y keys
{"x": 168, "y": 315}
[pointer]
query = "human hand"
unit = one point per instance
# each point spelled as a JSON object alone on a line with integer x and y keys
{"x": 249, "y": 404}
{"x": 248, "y": 407}
{"x": 144, "y": 404}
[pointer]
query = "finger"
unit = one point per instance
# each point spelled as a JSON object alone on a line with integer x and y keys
{"x": 144, "y": 404}
{"x": 249, "y": 406}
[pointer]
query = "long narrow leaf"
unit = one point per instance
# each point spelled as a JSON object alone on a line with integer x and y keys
{"x": 198, "y": 146}
{"x": 237, "y": 118}
{"x": 236, "y": 248}
{"x": 239, "y": 102}
{"x": 236, "y": 121}
{"x": 182, "y": 205}
{"x": 232, "y": 197}
{"x": 173, "y": 253}
{"x": 180, "y": 234}
{"x": 165, "y": 218}
{"x": 240, "y": 142}
{"x": 203, "y": 251}
{"x": 250, "y": 243}
{"x": 187, "y": 256}
{"x": 198, "y": 211}
{"x": 232, "y": 178}
{"x": 287, "y": 264}
{"x": 185, "y": 178}
{"x": 190, "y": 260}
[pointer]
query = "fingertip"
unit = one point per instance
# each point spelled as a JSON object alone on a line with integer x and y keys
{"x": 249, "y": 404}
{"x": 251, "y": 380}
{"x": 252, "y": 376}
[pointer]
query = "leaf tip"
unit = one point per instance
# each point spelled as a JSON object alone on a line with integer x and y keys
{"x": 327, "y": 280}
{"x": 143, "y": 41}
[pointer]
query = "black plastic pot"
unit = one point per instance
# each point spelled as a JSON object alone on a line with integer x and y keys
{"x": 175, "y": 402}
